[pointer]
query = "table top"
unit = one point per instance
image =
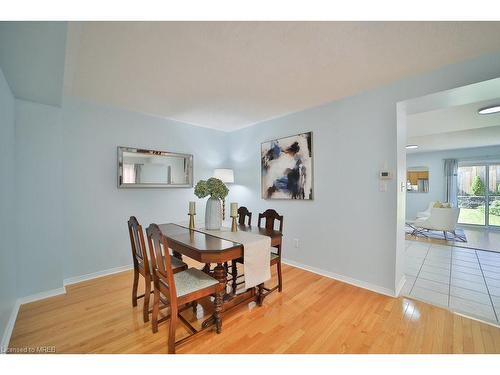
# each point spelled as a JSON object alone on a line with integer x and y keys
{"x": 205, "y": 248}
{"x": 204, "y": 242}
{"x": 196, "y": 240}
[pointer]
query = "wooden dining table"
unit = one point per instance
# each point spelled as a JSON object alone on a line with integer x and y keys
{"x": 209, "y": 249}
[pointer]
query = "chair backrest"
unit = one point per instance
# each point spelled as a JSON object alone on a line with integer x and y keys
{"x": 139, "y": 252}
{"x": 430, "y": 207}
{"x": 160, "y": 261}
{"x": 271, "y": 216}
{"x": 243, "y": 213}
{"x": 443, "y": 219}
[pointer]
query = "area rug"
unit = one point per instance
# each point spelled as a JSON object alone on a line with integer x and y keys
{"x": 438, "y": 235}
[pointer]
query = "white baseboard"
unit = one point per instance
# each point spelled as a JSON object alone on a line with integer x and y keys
{"x": 94, "y": 275}
{"x": 345, "y": 279}
{"x": 41, "y": 295}
{"x": 476, "y": 319}
{"x": 9, "y": 328}
{"x": 400, "y": 285}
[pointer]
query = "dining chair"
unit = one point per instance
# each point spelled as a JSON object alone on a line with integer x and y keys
{"x": 181, "y": 288}
{"x": 243, "y": 213}
{"x": 271, "y": 216}
{"x": 142, "y": 265}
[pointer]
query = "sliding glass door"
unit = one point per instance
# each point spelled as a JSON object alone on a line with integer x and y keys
{"x": 479, "y": 194}
{"x": 494, "y": 195}
{"x": 472, "y": 194}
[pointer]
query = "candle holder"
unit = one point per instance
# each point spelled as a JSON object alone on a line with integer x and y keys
{"x": 234, "y": 227}
{"x": 191, "y": 221}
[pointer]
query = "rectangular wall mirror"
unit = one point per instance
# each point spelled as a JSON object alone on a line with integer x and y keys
{"x": 417, "y": 180}
{"x": 140, "y": 168}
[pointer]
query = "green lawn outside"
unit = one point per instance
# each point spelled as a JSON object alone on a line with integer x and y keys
{"x": 475, "y": 216}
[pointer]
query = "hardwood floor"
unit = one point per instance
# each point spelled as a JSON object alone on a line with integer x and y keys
{"x": 314, "y": 314}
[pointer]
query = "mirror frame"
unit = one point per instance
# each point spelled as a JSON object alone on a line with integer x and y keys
{"x": 418, "y": 169}
{"x": 122, "y": 149}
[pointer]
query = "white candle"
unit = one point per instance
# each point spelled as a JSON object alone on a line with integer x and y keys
{"x": 234, "y": 209}
{"x": 192, "y": 208}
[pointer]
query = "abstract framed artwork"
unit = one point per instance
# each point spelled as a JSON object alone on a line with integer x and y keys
{"x": 286, "y": 167}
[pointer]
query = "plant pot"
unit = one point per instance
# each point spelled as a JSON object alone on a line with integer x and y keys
{"x": 213, "y": 214}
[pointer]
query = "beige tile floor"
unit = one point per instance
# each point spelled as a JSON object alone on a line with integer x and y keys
{"x": 483, "y": 239}
{"x": 466, "y": 281}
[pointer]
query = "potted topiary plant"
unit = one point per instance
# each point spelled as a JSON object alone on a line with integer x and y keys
{"x": 217, "y": 191}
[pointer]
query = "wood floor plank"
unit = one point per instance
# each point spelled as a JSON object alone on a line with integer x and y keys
{"x": 314, "y": 314}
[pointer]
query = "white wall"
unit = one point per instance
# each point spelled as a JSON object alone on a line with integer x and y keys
{"x": 416, "y": 202}
{"x": 350, "y": 228}
{"x": 8, "y": 292}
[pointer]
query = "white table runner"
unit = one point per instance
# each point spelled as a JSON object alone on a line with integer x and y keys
{"x": 256, "y": 252}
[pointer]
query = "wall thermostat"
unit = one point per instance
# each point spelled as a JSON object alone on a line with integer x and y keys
{"x": 385, "y": 175}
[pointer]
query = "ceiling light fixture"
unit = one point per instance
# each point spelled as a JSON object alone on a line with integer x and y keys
{"x": 489, "y": 110}
{"x": 411, "y": 147}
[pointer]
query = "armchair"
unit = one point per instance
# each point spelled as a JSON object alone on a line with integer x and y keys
{"x": 440, "y": 219}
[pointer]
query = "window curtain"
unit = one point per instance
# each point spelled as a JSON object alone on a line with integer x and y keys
{"x": 450, "y": 180}
{"x": 128, "y": 174}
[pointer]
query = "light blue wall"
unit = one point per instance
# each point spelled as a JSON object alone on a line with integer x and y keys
{"x": 71, "y": 216}
{"x": 39, "y": 195}
{"x": 8, "y": 293}
{"x": 416, "y": 202}
{"x": 350, "y": 227}
{"x": 95, "y": 210}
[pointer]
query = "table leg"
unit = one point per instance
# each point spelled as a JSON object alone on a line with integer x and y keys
{"x": 260, "y": 295}
{"x": 220, "y": 275}
{"x": 234, "y": 273}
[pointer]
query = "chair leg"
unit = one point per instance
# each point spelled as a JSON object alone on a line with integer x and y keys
{"x": 234, "y": 273}
{"x": 147, "y": 293}
{"x": 206, "y": 268}
{"x": 280, "y": 282}
{"x": 134, "y": 287}
{"x": 156, "y": 310}
{"x": 445, "y": 236}
{"x": 171, "y": 330}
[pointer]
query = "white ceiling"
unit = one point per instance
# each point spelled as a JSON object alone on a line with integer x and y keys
{"x": 452, "y": 119}
{"x": 456, "y": 124}
{"x": 481, "y": 137}
{"x": 227, "y": 75}
{"x": 32, "y": 59}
